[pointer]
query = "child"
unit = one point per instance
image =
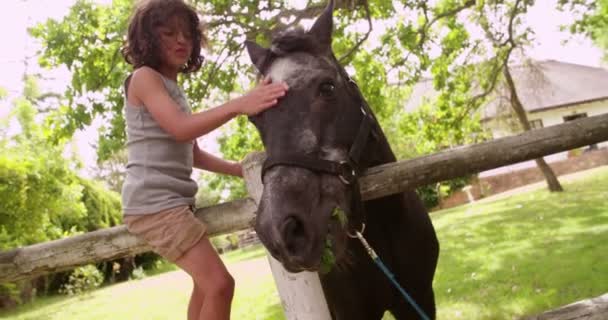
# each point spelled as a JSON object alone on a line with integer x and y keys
{"x": 164, "y": 39}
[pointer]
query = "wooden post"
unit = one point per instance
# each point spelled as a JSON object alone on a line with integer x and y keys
{"x": 301, "y": 293}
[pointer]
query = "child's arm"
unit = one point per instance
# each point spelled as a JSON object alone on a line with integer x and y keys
{"x": 146, "y": 87}
{"x": 206, "y": 161}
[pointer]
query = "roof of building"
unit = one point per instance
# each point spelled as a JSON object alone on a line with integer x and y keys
{"x": 541, "y": 85}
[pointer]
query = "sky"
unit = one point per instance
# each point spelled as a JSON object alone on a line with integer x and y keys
{"x": 17, "y": 15}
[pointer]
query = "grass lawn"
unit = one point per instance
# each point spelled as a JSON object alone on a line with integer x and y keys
{"x": 499, "y": 260}
{"x": 524, "y": 254}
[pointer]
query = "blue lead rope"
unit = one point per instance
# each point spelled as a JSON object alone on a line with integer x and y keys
{"x": 390, "y": 275}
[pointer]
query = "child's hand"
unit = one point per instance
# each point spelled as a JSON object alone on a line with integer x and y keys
{"x": 262, "y": 97}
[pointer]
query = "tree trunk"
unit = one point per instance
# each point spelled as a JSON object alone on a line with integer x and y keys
{"x": 552, "y": 182}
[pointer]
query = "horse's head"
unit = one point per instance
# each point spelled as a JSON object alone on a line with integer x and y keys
{"x": 318, "y": 120}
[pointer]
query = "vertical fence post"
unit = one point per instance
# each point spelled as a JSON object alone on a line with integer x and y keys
{"x": 301, "y": 293}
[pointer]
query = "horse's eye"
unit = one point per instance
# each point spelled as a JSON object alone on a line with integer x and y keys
{"x": 326, "y": 89}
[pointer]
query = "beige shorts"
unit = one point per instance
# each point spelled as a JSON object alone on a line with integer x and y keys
{"x": 170, "y": 233}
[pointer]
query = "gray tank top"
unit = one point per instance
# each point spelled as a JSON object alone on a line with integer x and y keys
{"x": 158, "y": 167}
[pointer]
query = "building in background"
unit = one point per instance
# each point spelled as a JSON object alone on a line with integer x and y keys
{"x": 552, "y": 92}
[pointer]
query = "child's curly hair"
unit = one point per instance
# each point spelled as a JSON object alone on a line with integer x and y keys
{"x": 142, "y": 46}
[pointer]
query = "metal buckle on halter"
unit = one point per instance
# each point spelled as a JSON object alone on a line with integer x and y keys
{"x": 347, "y": 173}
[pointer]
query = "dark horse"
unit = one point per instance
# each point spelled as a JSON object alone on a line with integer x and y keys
{"x": 319, "y": 138}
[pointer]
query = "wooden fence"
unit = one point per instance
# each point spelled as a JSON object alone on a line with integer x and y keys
{"x": 379, "y": 181}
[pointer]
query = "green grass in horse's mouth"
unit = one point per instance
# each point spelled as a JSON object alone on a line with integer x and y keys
{"x": 328, "y": 259}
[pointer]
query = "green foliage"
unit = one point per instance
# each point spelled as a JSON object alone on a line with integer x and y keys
{"x": 592, "y": 21}
{"x": 431, "y": 195}
{"x": 233, "y": 238}
{"x": 220, "y": 243}
{"x": 37, "y": 187}
{"x": 82, "y": 279}
{"x": 41, "y": 196}
{"x": 10, "y": 292}
{"x": 34, "y": 193}
{"x": 103, "y": 207}
{"x": 328, "y": 259}
{"x": 43, "y": 200}
{"x": 112, "y": 170}
{"x": 3, "y": 93}
{"x": 240, "y": 139}
{"x": 87, "y": 42}
{"x": 138, "y": 273}
{"x": 206, "y": 195}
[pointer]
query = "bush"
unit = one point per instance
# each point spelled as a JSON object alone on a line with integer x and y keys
{"x": 9, "y": 295}
{"x": 103, "y": 206}
{"x": 220, "y": 243}
{"x": 82, "y": 279}
{"x": 33, "y": 195}
{"x": 138, "y": 273}
{"x": 430, "y": 193}
{"x": 233, "y": 239}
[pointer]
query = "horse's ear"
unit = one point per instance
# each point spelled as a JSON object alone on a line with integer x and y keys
{"x": 256, "y": 53}
{"x": 323, "y": 26}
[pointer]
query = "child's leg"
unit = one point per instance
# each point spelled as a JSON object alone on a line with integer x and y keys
{"x": 196, "y": 302}
{"x": 178, "y": 236}
{"x": 213, "y": 285}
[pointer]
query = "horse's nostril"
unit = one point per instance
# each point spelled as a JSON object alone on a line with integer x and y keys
{"x": 294, "y": 234}
{"x": 293, "y": 227}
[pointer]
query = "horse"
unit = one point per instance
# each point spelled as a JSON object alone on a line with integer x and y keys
{"x": 319, "y": 139}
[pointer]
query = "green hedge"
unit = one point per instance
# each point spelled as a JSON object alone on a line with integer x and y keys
{"x": 42, "y": 199}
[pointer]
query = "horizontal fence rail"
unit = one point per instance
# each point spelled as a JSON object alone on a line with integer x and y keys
{"x": 588, "y": 309}
{"x": 116, "y": 242}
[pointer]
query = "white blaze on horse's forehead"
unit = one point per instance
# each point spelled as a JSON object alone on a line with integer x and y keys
{"x": 292, "y": 72}
{"x": 307, "y": 140}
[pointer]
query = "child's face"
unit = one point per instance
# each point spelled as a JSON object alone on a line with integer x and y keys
{"x": 176, "y": 42}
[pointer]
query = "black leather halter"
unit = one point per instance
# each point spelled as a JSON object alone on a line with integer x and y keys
{"x": 348, "y": 170}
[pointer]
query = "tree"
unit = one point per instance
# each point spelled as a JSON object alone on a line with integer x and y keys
{"x": 469, "y": 70}
{"x": 38, "y": 185}
{"x": 112, "y": 170}
{"x": 88, "y": 39}
{"x": 552, "y": 182}
{"x": 507, "y": 38}
{"x": 206, "y": 195}
{"x": 592, "y": 20}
